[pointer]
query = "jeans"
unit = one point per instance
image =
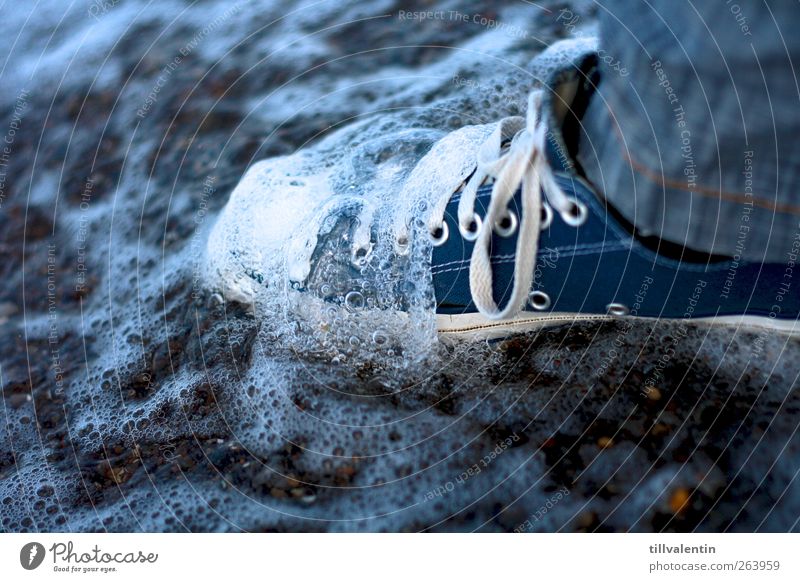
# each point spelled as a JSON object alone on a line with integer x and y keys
{"x": 692, "y": 134}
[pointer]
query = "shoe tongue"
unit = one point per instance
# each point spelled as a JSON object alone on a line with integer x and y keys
{"x": 568, "y": 70}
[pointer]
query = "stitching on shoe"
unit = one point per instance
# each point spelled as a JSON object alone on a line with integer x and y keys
{"x": 568, "y": 250}
{"x": 578, "y": 253}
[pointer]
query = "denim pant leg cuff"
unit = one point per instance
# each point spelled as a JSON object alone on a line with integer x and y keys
{"x": 702, "y": 218}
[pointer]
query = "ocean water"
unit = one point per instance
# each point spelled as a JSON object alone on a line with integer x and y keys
{"x": 155, "y": 151}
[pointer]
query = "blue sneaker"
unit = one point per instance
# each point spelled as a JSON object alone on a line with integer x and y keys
{"x": 506, "y": 237}
{"x": 537, "y": 246}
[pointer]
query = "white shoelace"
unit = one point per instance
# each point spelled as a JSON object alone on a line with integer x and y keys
{"x": 525, "y": 164}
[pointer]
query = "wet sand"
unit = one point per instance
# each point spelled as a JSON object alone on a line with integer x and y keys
{"x": 135, "y": 400}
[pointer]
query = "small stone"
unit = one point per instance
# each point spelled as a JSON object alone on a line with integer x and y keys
{"x": 346, "y": 471}
{"x": 659, "y": 429}
{"x": 278, "y": 493}
{"x": 678, "y": 500}
{"x": 586, "y": 519}
{"x": 654, "y": 394}
{"x": 119, "y": 475}
{"x": 605, "y": 442}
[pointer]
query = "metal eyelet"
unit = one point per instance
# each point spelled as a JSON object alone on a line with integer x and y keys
{"x": 539, "y": 300}
{"x": 401, "y": 246}
{"x": 471, "y": 234}
{"x": 509, "y": 228}
{"x": 547, "y": 216}
{"x": 360, "y": 256}
{"x": 577, "y": 213}
{"x": 617, "y": 309}
{"x": 440, "y": 234}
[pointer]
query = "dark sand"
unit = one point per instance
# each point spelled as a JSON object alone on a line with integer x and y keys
{"x": 124, "y": 401}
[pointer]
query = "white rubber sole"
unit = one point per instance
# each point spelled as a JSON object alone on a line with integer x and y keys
{"x": 476, "y": 326}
